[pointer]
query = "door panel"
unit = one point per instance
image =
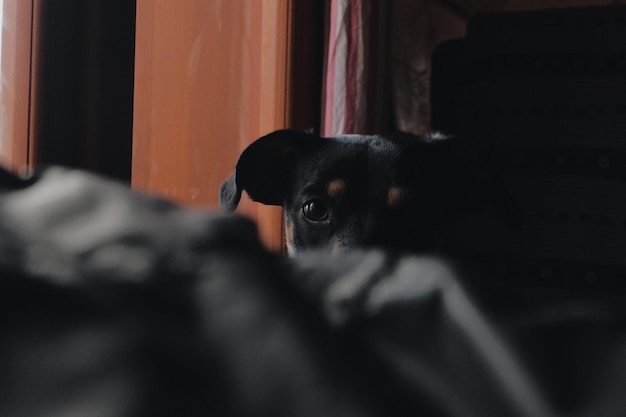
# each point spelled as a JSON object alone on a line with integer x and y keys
{"x": 210, "y": 77}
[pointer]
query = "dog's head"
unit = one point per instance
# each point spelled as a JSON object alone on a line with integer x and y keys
{"x": 354, "y": 191}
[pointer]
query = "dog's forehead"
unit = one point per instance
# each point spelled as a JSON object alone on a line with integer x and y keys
{"x": 356, "y": 151}
{"x": 371, "y": 164}
{"x": 372, "y": 143}
{"x": 352, "y": 155}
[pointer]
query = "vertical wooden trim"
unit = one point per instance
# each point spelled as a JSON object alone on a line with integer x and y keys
{"x": 15, "y": 92}
{"x": 274, "y": 64}
{"x": 142, "y": 101}
{"x": 34, "y": 84}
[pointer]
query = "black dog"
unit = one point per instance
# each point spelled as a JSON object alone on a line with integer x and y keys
{"x": 353, "y": 191}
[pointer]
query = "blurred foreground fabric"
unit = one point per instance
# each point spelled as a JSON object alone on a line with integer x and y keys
{"x": 115, "y": 303}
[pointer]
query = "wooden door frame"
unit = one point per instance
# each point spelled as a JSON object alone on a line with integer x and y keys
{"x": 17, "y": 95}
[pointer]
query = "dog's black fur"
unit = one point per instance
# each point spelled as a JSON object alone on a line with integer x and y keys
{"x": 354, "y": 190}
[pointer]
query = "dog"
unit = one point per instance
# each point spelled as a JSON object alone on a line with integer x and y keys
{"x": 353, "y": 191}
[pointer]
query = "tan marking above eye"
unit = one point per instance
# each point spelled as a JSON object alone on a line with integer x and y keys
{"x": 336, "y": 188}
{"x": 395, "y": 196}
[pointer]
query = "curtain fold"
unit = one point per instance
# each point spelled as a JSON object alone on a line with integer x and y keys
{"x": 355, "y": 64}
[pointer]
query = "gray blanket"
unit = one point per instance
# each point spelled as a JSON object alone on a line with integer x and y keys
{"x": 115, "y": 303}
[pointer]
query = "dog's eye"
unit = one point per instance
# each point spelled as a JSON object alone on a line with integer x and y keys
{"x": 315, "y": 210}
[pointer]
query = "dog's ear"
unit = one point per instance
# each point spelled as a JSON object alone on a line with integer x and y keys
{"x": 464, "y": 176}
{"x": 265, "y": 168}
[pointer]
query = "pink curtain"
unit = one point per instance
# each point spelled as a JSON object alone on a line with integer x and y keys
{"x": 355, "y": 63}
